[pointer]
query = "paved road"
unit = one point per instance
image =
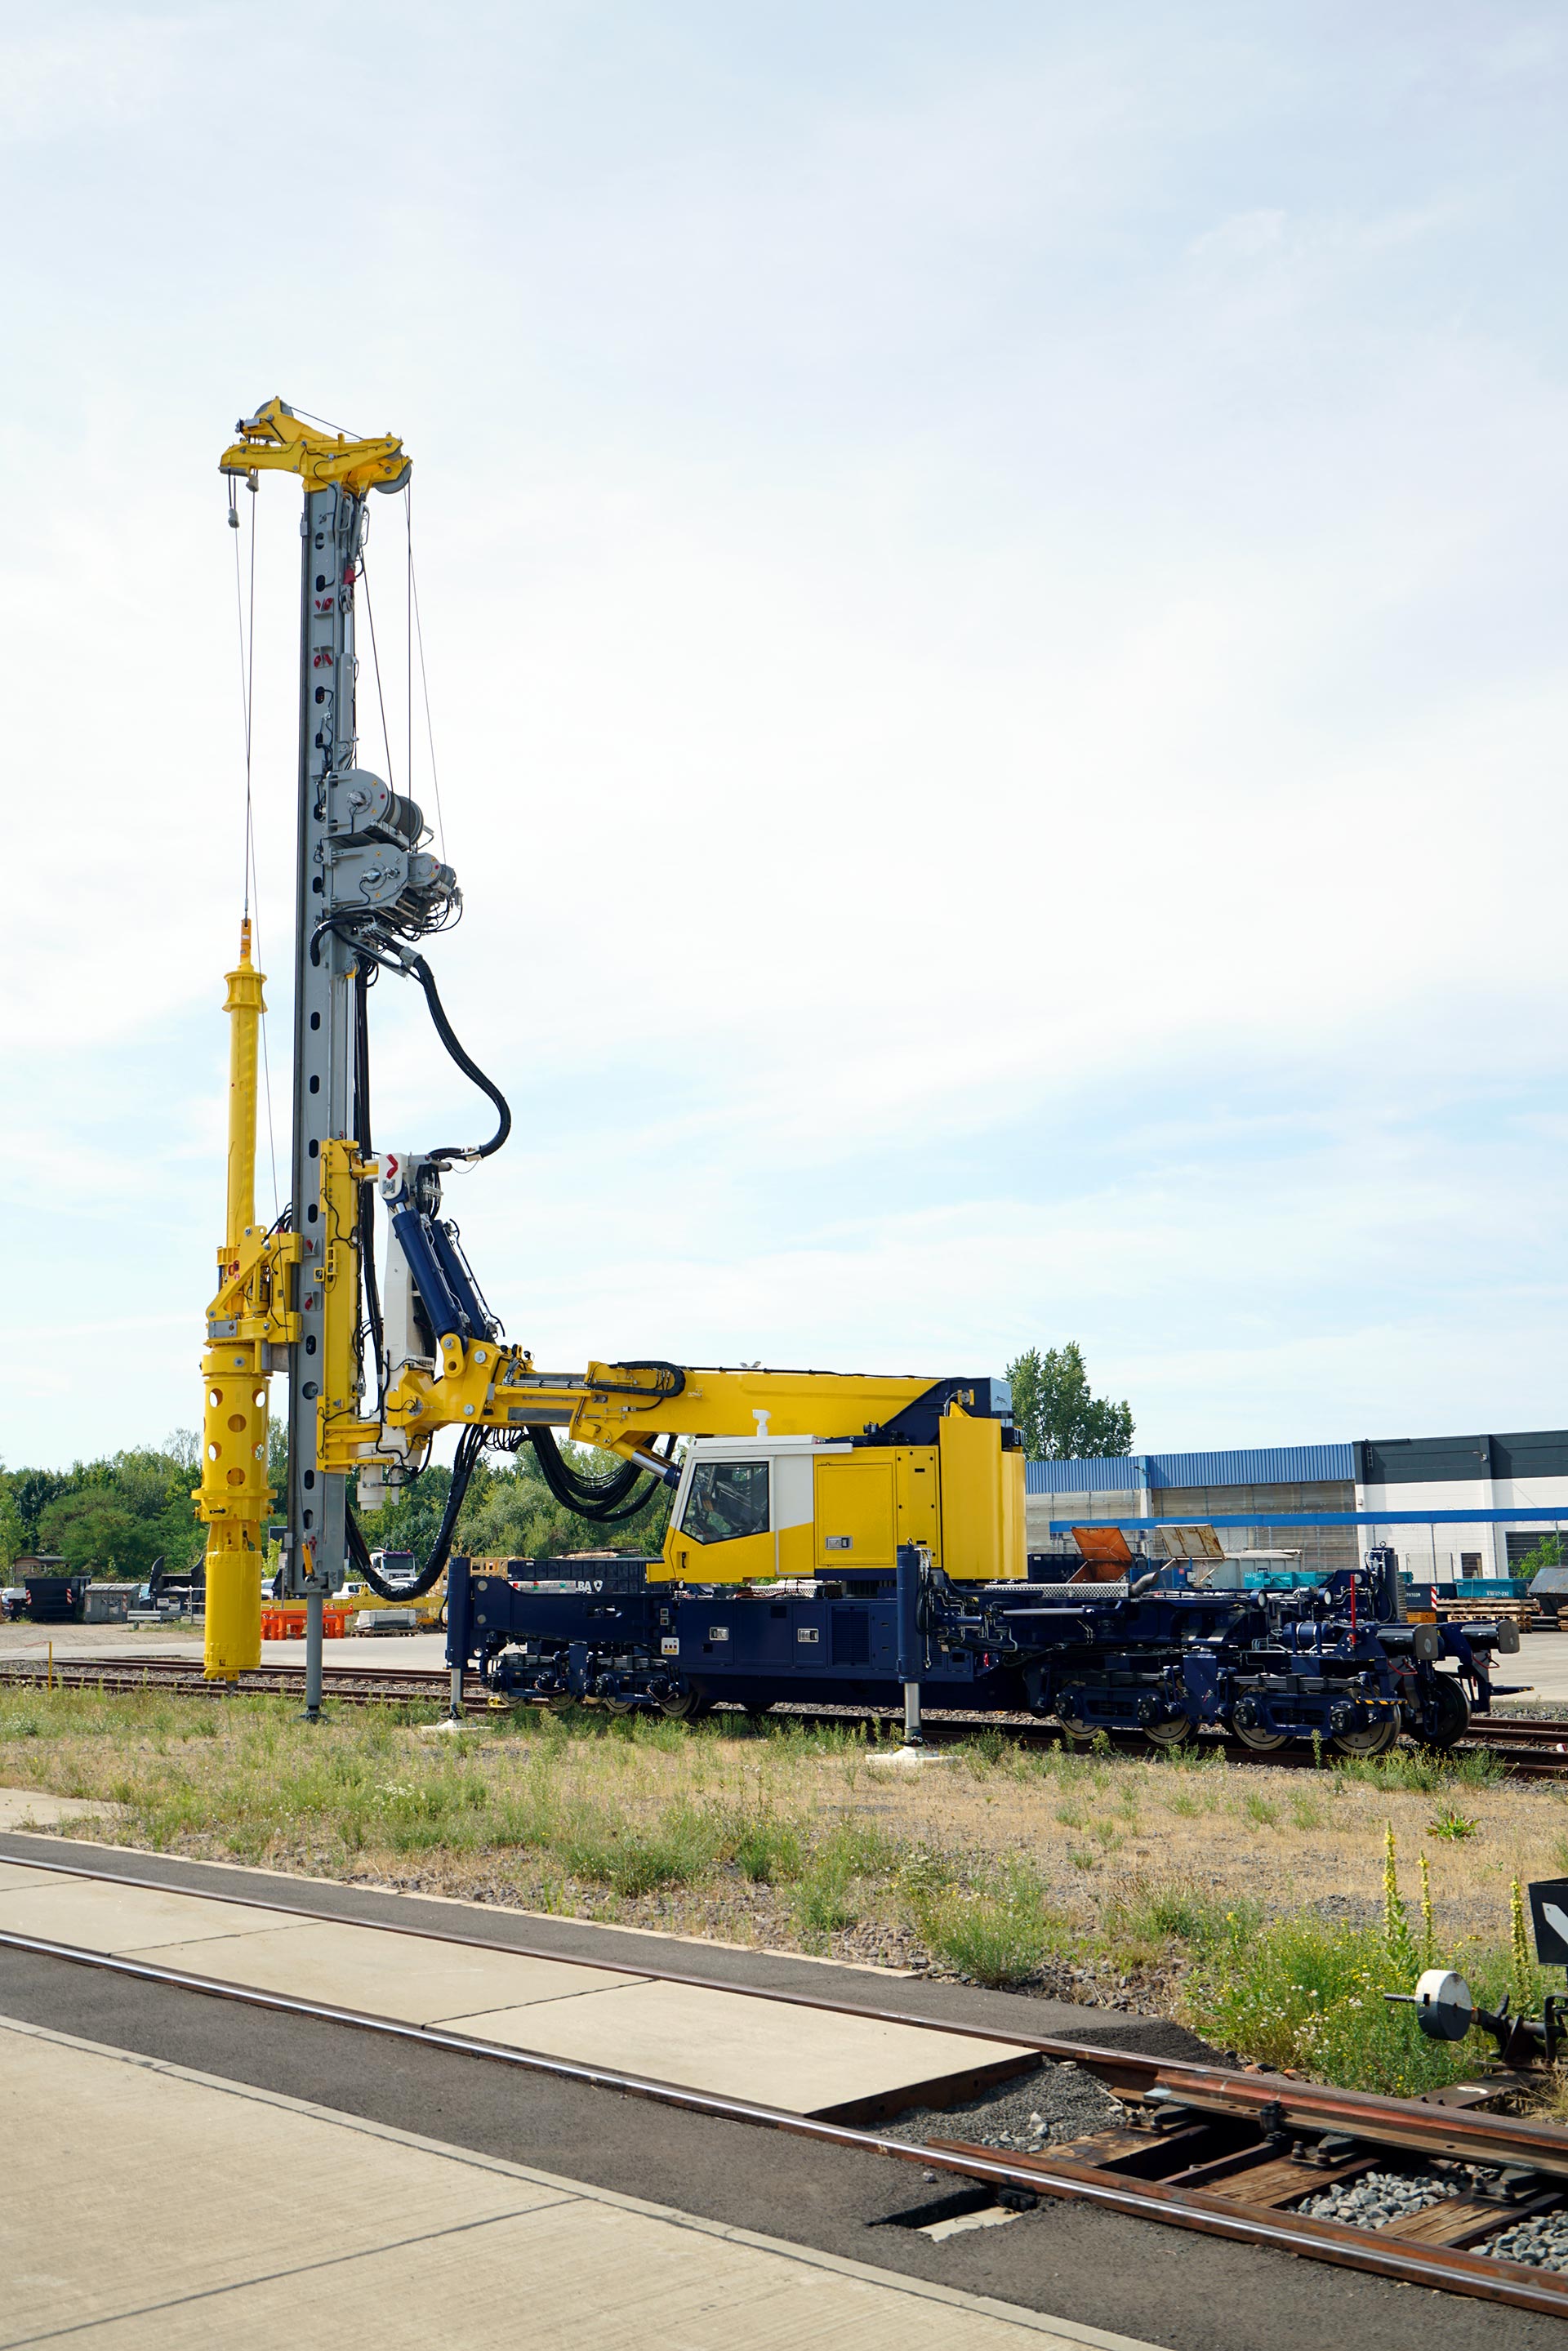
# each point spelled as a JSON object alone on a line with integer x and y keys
{"x": 1156, "y": 2284}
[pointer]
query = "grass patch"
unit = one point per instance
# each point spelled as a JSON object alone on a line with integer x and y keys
{"x": 1418, "y": 1772}
{"x": 630, "y": 1858}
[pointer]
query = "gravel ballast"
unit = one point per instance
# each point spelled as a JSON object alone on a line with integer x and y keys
{"x": 1062, "y": 2101}
{"x": 1542, "y": 2242}
{"x": 1377, "y": 2198}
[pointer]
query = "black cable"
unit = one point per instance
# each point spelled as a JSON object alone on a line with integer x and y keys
{"x": 470, "y": 1445}
{"x": 469, "y": 1068}
{"x": 673, "y": 1385}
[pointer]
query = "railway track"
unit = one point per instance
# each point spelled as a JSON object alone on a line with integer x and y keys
{"x": 1528, "y": 1748}
{"x": 1223, "y": 2154}
{"x": 181, "y": 1677}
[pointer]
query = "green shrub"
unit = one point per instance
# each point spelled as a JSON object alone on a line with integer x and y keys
{"x": 1305, "y": 1994}
{"x": 833, "y": 1882}
{"x": 995, "y": 1942}
{"x": 999, "y": 1933}
{"x": 1548, "y": 1552}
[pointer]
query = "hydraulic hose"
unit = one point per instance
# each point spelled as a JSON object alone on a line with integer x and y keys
{"x": 367, "y": 1208}
{"x": 469, "y": 1068}
{"x": 602, "y": 1500}
{"x": 470, "y": 1445}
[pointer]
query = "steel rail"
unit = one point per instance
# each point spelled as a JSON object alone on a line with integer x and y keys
{"x": 1446, "y": 2268}
{"x": 180, "y": 1677}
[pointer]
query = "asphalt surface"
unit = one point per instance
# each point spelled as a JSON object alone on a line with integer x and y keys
{"x": 1163, "y": 2285}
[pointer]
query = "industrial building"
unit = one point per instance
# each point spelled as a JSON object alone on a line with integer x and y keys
{"x": 1301, "y": 1502}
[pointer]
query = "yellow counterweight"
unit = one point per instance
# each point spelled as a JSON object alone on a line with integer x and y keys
{"x": 234, "y": 1495}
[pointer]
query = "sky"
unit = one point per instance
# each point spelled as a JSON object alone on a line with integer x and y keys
{"x": 992, "y": 583}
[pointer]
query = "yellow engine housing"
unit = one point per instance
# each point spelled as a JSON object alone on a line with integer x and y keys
{"x": 749, "y": 1510}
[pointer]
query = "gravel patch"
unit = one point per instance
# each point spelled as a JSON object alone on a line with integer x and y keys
{"x": 1062, "y": 2101}
{"x": 1377, "y": 2198}
{"x": 1542, "y": 2242}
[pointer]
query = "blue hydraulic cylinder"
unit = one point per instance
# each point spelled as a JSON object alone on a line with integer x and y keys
{"x": 909, "y": 1658}
{"x": 443, "y": 1306}
{"x": 909, "y": 1643}
{"x": 459, "y": 1612}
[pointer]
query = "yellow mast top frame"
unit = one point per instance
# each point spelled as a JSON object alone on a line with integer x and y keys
{"x": 275, "y": 440}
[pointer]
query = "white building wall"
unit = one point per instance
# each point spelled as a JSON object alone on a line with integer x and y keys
{"x": 1437, "y": 1551}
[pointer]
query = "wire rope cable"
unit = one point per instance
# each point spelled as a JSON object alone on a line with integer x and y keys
{"x": 423, "y": 675}
{"x": 252, "y": 878}
{"x": 376, "y": 663}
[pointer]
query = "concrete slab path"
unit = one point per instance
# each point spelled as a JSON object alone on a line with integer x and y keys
{"x": 294, "y": 2224}
{"x": 729, "y": 2042}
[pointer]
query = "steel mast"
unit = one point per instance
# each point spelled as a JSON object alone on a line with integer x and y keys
{"x": 331, "y": 874}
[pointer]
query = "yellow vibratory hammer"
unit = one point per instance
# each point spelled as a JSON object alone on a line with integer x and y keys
{"x": 241, "y": 1329}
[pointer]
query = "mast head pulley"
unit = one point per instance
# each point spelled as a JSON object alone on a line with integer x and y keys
{"x": 275, "y": 438}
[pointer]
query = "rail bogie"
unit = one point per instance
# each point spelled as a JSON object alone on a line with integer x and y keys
{"x": 1335, "y": 1665}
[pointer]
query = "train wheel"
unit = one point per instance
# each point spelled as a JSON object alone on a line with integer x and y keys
{"x": 1261, "y": 1742}
{"x": 1168, "y": 1734}
{"x": 1368, "y": 1743}
{"x": 1448, "y": 1715}
{"x": 686, "y": 1706}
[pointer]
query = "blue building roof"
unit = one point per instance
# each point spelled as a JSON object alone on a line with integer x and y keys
{"x": 1261, "y": 1465}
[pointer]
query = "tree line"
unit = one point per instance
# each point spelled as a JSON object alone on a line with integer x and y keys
{"x": 119, "y": 1515}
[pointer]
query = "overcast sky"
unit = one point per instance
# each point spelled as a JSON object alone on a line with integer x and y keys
{"x": 993, "y": 578}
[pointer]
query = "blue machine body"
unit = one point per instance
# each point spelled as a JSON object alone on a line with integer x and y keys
{"x": 1157, "y": 1654}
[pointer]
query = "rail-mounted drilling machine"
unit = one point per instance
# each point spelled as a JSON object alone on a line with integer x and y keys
{"x": 831, "y": 1534}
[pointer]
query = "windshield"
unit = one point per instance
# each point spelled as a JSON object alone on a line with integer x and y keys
{"x": 726, "y": 1498}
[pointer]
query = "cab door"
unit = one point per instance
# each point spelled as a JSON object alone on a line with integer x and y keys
{"x": 726, "y": 1532}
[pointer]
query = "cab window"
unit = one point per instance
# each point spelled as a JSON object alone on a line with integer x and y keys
{"x": 726, "y": 1498}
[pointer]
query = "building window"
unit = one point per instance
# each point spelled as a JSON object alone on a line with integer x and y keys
{"x": 1470, "y": 1564}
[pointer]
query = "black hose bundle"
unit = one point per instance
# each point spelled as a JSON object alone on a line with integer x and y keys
{"x": 367, "y": 1204}
{"x": 604, "y": 1501}
{"x": 470, "y": 1445}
